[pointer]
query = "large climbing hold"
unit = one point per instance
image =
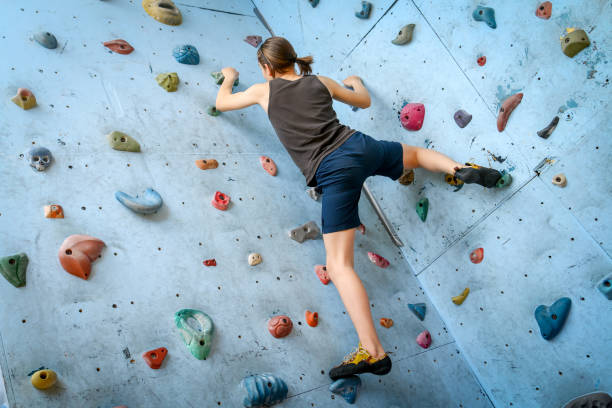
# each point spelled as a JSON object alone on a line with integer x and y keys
{"x": 321, "y": 271}
{"x": 46, "y": 39}
{"x": 485, "y": 14}
{"x": 347, "y": 388}
{"x": 405, "y": 35}
{"x": 147, "y": 203}
{"x": 477, "y": 255}
{"x": 422, "y": 208}
{"x": 164, "y": 11}
{"x": 219, "y": 78}
{"x": 366, "y": 8}
{"x": 155, "y": 358}
{"x": 418, "y": 309}
{"x": 310, "y": 230}
{"x": 312, "y": 318}
{"x": 254, "y": 259}
{"x": 168, "y": 80}
{"x": 221, "y": 201}
{"x": 504, "y": 181}
{"x": 268, "y": 165}
{"x": 13, "y": 268}
{"x": 254, "y": 40}
{"x": 54, "y": 211}
{"x": 207, "y": 164}
{"x": 459, "y": 299}
{"x": 506, "y": 109}
{"x": 412, "y": 116}
{"x": 43, "y": 379}
{"x": 407, "y": 177}
{"x": 424, "y": 339}
{"x": 197, "y": 339}
{"x": 559, "y": 180}
{"x": 605, "y": 287}
{"x": 119, "y": 46}
{"x": 213, "y": 111}
{"x": 186, "y": 54}
{"x": 121, "y": 141}
{"x": 591, "y": 400}
{"x": 77, "y": 253}
{"x": 462, "y": 118}
{"x": 378, "y": 260}
{"x": 547, "y": 131}
{"x": 574, "y": 41}
{"x": 280, "y": 326}
{"x": 263, "y": 390}
{"x": 40, "y": 158}
{"x": 552, "y": 318}
{"x": 24, "y": 99}
{"x": 544, "y": 10}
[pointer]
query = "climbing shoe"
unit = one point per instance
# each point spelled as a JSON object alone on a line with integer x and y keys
{"x": 484, "y": 176}
{"x": 359, "y": 362}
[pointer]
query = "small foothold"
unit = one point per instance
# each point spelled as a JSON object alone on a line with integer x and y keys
{"x": 424, "y": 339}
{"x": 313, "y": 3}
{"x": 547, "y": 131}
{"x": 485, "y": 14}
{"x": 504, "y": 181}
{"x": 477, "y": 255}
{"x": 407, "y": 177}
{"x": 54, "y": 211}
{"x": 221, "y": 201}
{"x": 462, "y": 118}
{"x": 155, "y": 358}
{"x": 312, "y": 318}
{"x": 210, "y": 262}
{"x": 605, "y": 287}
{"x": 197, "y": 339}
{"x": 482, "y": 60}
{"x": 45, "y": 39}
{"x": 310, "y": 230}
{"x": 40, "y": 158}
{"x": 121, "y": 141}
{"x": 168, "y": 80}
{"x": 385, "y": 322}
{"x": 460, "y": 298}
{"x": 24, "y": 98}
{"x": 559, "y": 180}
{"x": 453, "y": 181}
{"x": 280, "y": 326}
{"x": 314, "y": 193}
{"x": 263, "y": 390}
{"x": 405, "y": 35}
{"x": 412, "y": 116}
{"x": 13, "y": 268}
{"x": 43, "y": 379}
{"x": 77, "y": 252}
{"x": 361, "y": 228}
{"x": 163, "y": 11}
{"x": 321, "y": 271}
{"x": 219, "y": 78}
{"x": 346, "y": 387}
{"x": 366, "y": 8}
{"x": 506, "y": 109}
{"x": 148, "y": 203}
{"x": 254, "y": 40}
{"x": 207, "y": 164}
{"x": 255, "y": 259}
{"x": 213, "y": 111}
{"x": 551, "y": 318}
{"x": 418, "y": 309}
{"x": 186, "y": 54}
{"x": 378, "y": 260}
{"x": 268, "y": 165}
{"x": 544, "y": 10}
{"x": 574, "y": 41}
{"x": 422, "y": 207}
{"x": 591, "y": 400}
{"x": 119, "y": 46}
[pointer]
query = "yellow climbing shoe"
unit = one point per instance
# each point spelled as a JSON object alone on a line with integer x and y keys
{"x": 359, "y": 361}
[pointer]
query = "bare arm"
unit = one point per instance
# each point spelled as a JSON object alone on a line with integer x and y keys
{"x": 226, "y": 100}
{"x": 358, "y": 97}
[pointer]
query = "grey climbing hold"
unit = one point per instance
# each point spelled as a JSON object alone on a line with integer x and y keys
{"x": 366, "y": 8}
{"x": 462, "y": 118}
{"x": 591, "y": 400}
{"x": 418, "y": 309}
{"x": 45, "y": 39}
{"x": 40, "y": 158}
{"x": 485, "y": 14}
{"x": 547, "y": 131}
{"x": 149, "y": 202}
{"x": 405, "y": 35}
{"x": 310, "y": 230}
{"x": 313, "y": 193}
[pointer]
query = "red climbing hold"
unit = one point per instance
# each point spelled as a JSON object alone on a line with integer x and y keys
{"x": 280, "y": 326}
{"x": 321, "y": 272}
{"x": 378, "y": 260}
{"x": 210, "y": 262}
{"x": 268, "y": 165}
{"x": 361, "y": 228}
{"x": 481, "y": 60}
{"x": 119, "y": 46}
{"x": 412, "y": 116}
{"x": 221, "y": 201}
{"x": 385, "y": 322}
{"x": 477, "y": 255}
{"x": 312, "y": 318}
{"x": 544, "y": 10}
{"x": 78, "y": 252}
{"x": 506, "y": 109}
{"x": 155, "y": 358}
{"x": 254, "y": 40}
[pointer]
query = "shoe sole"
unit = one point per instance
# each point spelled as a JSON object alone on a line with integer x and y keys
{"x": 362, "y": 368}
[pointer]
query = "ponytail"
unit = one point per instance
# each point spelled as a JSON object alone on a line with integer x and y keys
{"x": 304, "y": 65}
{"x": 278, "y": 54}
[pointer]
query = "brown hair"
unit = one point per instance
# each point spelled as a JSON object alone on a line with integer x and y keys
{"x": 278, "y": 54}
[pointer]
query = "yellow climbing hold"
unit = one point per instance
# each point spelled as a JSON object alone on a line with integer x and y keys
{"x": 168, "y": 80}
{"x": 459, "y": 299}
{"x": 43, "y": 379}
{"x": 24, "y": 99}
{"x": 164, "y": 11}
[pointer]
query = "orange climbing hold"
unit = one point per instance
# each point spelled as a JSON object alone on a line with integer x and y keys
{"x": 155, "y": 358}
{"x": 384, "y": 322}
{"x": 206, "y": 164}
{"x": 506, "y": 109}
{"x": 78, "y": 252}
{"x": 54, "y": 211}
{"x": 221, "y": 201}
{"x": 544, "y": 10}
{"x": 268, "y": 165}
{"x": 477, "y": 255}
{"x": 312, "y": 318}
{"x": 321, "y": 272}
{"x": 481, "y": 60}
{"x": 119, "y": 46}
{"x": 280, "y": 326}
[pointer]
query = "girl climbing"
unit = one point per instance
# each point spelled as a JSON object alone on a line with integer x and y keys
{"x": 336, "y": 159}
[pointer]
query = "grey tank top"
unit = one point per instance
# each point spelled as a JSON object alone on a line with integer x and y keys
{"x": 302, "y": 115}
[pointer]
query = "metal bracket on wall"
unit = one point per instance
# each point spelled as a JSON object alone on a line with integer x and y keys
{"x": 383, "y": 218}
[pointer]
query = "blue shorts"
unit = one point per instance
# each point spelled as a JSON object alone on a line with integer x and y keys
{"x": 341, "y": 174}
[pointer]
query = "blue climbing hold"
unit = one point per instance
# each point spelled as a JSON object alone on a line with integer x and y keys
{"x": 364, "y": 13}
{"x": 263, "y": 390}
{"x": 605, "y": 287}
{"x": 347, "y": 387}
{"x": 314, "y": 3}
{"x": 148, "y": 203}
{"x": 45, "y": 39}
{"x": 485, "y": 14}
{"x": 418, "y": 309}
{"x": 551, "y": 318}
{"x": 186, "y": 54}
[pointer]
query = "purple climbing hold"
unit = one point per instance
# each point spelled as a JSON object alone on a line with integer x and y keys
{"x": 547, "y": 131}
{"x": 254, "y": 40}
{"x": 462, "y": 118}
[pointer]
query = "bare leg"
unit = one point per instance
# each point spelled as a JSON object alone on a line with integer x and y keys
{"x": 428, "y": 159}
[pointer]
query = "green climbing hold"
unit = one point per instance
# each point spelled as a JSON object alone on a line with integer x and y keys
{"x": 574, "y": 41}
{"x": 212, "y": 111}
{"x": 168, "y": 80}
{"x": 123, "y": 142}
{"x": 504, "y": 181}
{"x": 198, "y": 340}
{"x": 13, "y": 268}
{"x": 219, "y": 78}
{"x": 422, "y": 207}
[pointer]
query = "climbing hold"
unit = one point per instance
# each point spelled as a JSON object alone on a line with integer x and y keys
{"x": 254, "y": 40}
{"x": 263, "y": 390}
{"x": 544, "y": 10}
{"x": 591, "y": 400}
{"x": 364, "y": 13}
{"x": 119, "y": 46}
{"x": 168, "y": 80}
{"x": 43, "y": 379}
{"x": 197, "y": 339}
{"x": 385, "y": 322}
{"x": 605, "y": 287}
{"x": 40, "y": 158}
{"x": 477, "y": 255}
{"x": 221, "y": 201}
{"x": 412, "y": 116}
{"x": 24, "y": 98}
{"x": 13, "y": 268}
{"x": 186, "y": 54}
{"x": 506, "y": 109}
{"x": 422, "y": 207}
{"x": 361, "y": 228}
{"x": 405, "y": 35}
{"x": 219, "y": 78}
{"x": 346, "y": 387}
{"x": 314, "y": 193}
{"x": 268, "y": 165}
{"x": 547, "y": 131}
{"x": 481, "y": 60}
{"x": 424, "y": 339}
{"x": 77, "y": 252}
{"x": 280, "y": 326}
{"x": 462, "y": 118}
{"x": 163, "y": 11}
{"x": 460, "y": 298}
{"x": 312, "y": 318}
{"x": 155, "y": 358}
{"x": 213, "y": 111}
{"x": 453, "y": 181}
{"x": 148, "y": 203}
{"x": 551, "y": 318}
{"x": 559, "y": 180}
{"x": 310, "y": 230}
{"x": 407, "y": 177}
{"x": 45, "y": 39}
{"x": 574, "y": 41}
{"x": 378, "y": 260}
{"x": 121, "y": 141}
{"x": 504, "y": 181}
{"x": 322, "y": 274}
{"x": 206, "y": 164}
{"x": 255, "y": 259}
{"x": 485, "y": 14}
{"x": 313, "y": 3}
{"x": 54, "y": 211}
{"x": 418, "y": 309}
{"x": 210, "y": 262}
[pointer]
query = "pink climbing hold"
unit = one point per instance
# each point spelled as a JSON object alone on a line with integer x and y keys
{"x": 221, "y": 201}
{"x": 361, "y": 228}
{"x": 378, "y": 260}
{"x": 321, "y": 272}
{"x": 268, "y": 165}
{"x": 254, "y": 40}
{"x": 424, "y": 339}
{"x": 412, "y": 116}
{"x": 477, "y": 255}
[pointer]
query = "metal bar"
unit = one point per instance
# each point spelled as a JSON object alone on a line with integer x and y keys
{"x": 263, "y": 20}
{"x": 383, "y": 218}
